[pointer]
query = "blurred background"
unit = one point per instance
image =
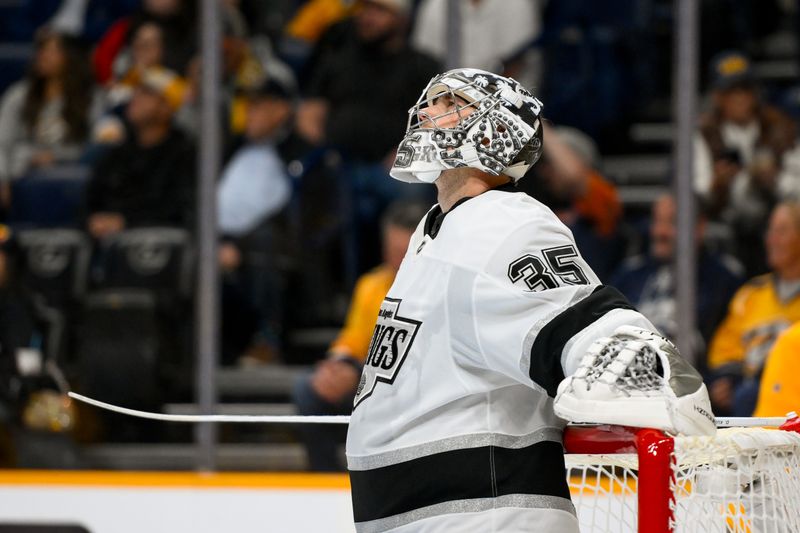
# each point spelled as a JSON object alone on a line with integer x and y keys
{"x": 118, "y": 282}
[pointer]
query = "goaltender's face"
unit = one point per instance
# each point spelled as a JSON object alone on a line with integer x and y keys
{"x": 444, "y": 112}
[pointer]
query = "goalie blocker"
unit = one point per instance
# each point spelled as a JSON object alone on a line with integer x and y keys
{"x": 636, "y": 378}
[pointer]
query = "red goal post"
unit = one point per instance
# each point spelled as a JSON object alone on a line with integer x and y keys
{"x": 642, "y": 480}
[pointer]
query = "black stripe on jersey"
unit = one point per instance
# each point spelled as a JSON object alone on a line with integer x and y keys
{"x": 483, "y": 472}
{"x": 546, "y": 368}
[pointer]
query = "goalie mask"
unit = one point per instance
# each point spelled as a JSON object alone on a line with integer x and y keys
{"x": 470, "y": 118}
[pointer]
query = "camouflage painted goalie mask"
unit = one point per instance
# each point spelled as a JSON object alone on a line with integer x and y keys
{"x": 491, "y": 123}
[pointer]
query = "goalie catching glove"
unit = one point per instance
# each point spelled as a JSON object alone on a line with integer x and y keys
{"x": 636, "y": 378}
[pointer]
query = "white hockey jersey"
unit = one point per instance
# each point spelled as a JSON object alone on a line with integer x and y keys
{"x": 453, "y": 427}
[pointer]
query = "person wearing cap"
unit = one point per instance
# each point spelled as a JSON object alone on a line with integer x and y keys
{"x": 253, "y": 189}
{"x": 254, "y": 183}
{"x": 740, "y": 149}
{"x": 147, "y": 179}
{"x": 246, "y": 61}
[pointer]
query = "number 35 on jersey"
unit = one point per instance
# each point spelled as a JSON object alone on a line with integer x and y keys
{"x": 556, "y": 266}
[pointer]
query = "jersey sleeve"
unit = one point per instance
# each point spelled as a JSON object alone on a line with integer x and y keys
{"x": 538, "y": 306}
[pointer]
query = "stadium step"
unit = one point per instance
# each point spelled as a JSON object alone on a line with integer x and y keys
{"x": 647, "y": 169}
{"x": 657, "y": 133}
{"x": 641, "y": 197}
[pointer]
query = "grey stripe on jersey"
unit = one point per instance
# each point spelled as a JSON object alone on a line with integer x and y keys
{"x": 476, "y": 505}
{"x": 460, "y": 442}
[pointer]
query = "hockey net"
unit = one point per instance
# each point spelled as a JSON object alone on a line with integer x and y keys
{"x": 741, "y": 480}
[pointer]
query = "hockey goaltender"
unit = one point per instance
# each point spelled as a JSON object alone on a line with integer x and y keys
{"x": 495, "y": 333}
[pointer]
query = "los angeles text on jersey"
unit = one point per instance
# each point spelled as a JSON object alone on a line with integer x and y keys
{"x": 391, "y": 341}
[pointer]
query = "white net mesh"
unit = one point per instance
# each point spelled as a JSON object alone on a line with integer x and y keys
{"x": 741, "y": 480}
{"x": 604, "y": 492}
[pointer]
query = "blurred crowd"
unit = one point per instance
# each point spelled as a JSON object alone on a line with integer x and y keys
{"x": 99, "y": 122}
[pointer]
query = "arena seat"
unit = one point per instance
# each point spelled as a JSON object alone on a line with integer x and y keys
{"x": 157, "y": 258}
{"x": 55, "y": 263}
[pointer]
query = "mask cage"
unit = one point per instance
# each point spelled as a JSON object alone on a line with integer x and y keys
{"x": 419, "y": 119}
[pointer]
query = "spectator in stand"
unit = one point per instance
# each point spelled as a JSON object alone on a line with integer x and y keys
{"x": 148, "y": 178}
{"x": 246, "y": 61}
{"x": 254, "y": 188}
{"x": 779, "y": 390}
{"x": 331, "y": 387}
{"x": 146, "y": 51}
{"x": 45, "y": 118}
{"x": 649, "y": 284}
{"x": 740, "y": 151}
{"x": 254, "y": 182}
{"x": 568, "y": 182}
{"x": 493, "y": 33}
{"x": 243, "y": 69}
{"x": 760, "y": 311}
{"x": 177, "y": 18}
{"x": 363, "y": 67}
